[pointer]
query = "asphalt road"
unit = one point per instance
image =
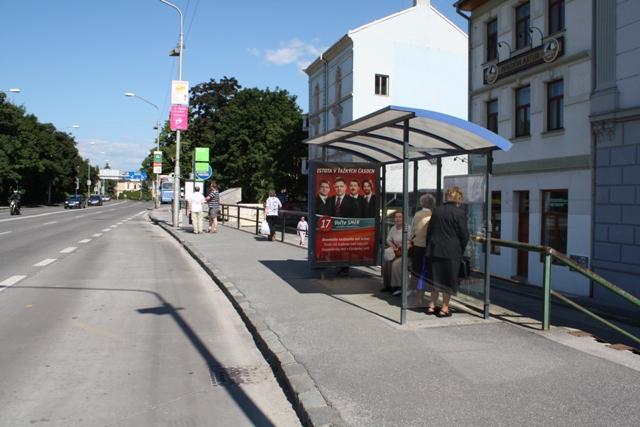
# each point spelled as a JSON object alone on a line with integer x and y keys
{"x": 105, "y": 321}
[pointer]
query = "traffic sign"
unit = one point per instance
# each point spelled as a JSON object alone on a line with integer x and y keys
{"x": 179, "y": 117}
{"x": 204, "y": 175}
{"x": 157, "y": 162}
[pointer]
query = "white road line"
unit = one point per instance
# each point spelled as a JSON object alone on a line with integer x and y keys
{"x": 49, "y": 223}
{"x": 80, "y": 216}
{"x": 106, "y": 229}
{"x": 96, "y": 235}
{"x": 65, "y": 211}
{"x": 5, "y": 232}
{"x": 44, "y": 262}
{"x": 68, "y": 250}
{"x": 84, "y": 241}
{"x": 10, "y": 282}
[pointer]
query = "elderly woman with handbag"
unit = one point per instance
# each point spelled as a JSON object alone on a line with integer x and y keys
{"x": 447, "y": 237}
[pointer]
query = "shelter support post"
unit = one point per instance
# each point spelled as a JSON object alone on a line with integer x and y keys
{"x": 405, "y": 220}
{"x": 416, "y": 202}
{"x": 439, "y": 181}
{"x": 383, "y": 219}
{"x": 487, "y": 234}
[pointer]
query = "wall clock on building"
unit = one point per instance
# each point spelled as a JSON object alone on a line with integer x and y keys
{"x": 551, "y": 50}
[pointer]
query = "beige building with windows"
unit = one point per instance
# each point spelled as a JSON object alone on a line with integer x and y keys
{"x": 561, "y": 79}
{"x": 531, "y": 81}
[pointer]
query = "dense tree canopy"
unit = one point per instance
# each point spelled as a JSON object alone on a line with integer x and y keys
{"x": 254, "y": 136}
{"x": 36, "y": 158}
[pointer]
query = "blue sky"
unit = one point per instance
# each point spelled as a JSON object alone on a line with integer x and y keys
{"x": 74, "y": 59}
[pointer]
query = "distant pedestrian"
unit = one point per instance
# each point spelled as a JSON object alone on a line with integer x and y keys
{"x": 195, "y": 208}
{"x": 271, "y": 207}
{"x": 213, "y": 198}
{"x": 447, "y": 238}
{"x": 303, "y": 229}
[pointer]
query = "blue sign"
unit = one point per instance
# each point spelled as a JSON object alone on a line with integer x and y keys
{"x": 205, "y": 175}
{"x": 136, "y": 176}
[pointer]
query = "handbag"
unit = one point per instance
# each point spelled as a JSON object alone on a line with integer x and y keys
{"x": 264, "y": 228}
{"x": 465, "y": 268}
{"x": 389, "y": 254}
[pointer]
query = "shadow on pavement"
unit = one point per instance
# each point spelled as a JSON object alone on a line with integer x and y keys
{"x": 252, "y": 412}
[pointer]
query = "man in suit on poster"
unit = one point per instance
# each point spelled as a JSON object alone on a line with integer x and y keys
{"x": 324, "y": 205}
{"x": 368, "y": 200}
{"x": 345, "y": 205}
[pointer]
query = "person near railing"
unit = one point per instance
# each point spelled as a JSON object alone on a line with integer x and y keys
{"x": 213, "y": 199}
{"x": 418, "y": 240}
{"x": 447, "y": 237}
{"x": 271, "y": 207}
{"x": 195, "y": 209}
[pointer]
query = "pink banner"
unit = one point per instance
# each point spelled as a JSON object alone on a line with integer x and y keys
{"x": 179, "y": 117}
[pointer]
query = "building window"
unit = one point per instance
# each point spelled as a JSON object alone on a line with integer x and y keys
{"x": 338, "y": 84}
{"x": 555, "y": 105}
{"x": 496, "y": 208}
{"x": 382, "y": 84}
{"x": 555, "y": 212}
{"x": 316, "y": 98}
{"x": 492, "y": 115}
{"x": 523, "y": 99}
{"x": 556, "y": 16}
{"x": 492, "y": 40}
{"x": 522, "y": 26}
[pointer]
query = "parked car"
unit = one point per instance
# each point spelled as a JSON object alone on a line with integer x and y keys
{"x": 95, "y": 200}
{"x": 106, "y": 198}
{"x": 75, "y": 201}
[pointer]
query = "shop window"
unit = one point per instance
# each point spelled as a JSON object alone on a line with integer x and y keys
{"x": 492, "y": 115}
{"x": 492, "y": 40}
{"x": 523, "y": 115}
{"x": 382, "y": 84}
{"x": 523, "y": 38}
{"x": 555, "y": 212}
{"x": 556, "y": 16}
{"x": 496, "y": 216}
{"x": 555, "y": 105}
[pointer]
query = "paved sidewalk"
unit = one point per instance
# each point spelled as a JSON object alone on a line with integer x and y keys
{"x": 345, "y": 360}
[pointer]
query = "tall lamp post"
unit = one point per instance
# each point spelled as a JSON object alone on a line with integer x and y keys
{"x": 157, "y": 186}
{"x": 176, "y": 179}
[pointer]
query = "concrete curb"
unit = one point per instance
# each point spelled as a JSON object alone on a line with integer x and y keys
{"x": 309, "y": 403}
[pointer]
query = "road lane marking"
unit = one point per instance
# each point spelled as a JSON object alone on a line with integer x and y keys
{"x": 7, "y": 283}
{"x": 84, "y": 241}
{"x": 65, "y": 211}
{"x": 80, "y": 216}
{"x": 106, "y": 229}
{"x": 49, "y": 223}
{"x": 96, "y": 235}
{"x": 68, "y": 250}
{"x": 5, "y": 232}
{"x": 44, "y": 262}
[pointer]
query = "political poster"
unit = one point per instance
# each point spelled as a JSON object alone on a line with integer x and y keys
{"x": 344, "y": 213}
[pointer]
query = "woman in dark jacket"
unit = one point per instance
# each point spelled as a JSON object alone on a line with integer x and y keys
{"x": 447, "y": 237}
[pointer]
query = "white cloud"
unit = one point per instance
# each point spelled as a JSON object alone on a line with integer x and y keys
{"x": 121, "y": 155}
{"x": 253, "y": 51}
{"x": 293, "y": 51}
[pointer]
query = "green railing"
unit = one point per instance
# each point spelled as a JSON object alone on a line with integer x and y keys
{"x": 551, "y": 254}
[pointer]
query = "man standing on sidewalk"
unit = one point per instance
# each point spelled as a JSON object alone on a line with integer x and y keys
{"x": 196, "y": 205}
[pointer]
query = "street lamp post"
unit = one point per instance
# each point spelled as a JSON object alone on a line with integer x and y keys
{"x": 157, "y": 186}
{"x": 176, "y": 179}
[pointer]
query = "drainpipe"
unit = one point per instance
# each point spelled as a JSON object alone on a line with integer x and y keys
{"x": 326, "y": 99}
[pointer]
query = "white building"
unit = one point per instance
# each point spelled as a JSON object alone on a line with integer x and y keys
{"x": 572, "y": 179}
{"x": 414, "y": 58}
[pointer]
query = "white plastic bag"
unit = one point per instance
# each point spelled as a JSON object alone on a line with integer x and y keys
{"x": 389, "y": 254}
{"x": 264, "y": 228}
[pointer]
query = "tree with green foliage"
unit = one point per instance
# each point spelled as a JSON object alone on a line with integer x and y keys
{"x": 257, "y": 145}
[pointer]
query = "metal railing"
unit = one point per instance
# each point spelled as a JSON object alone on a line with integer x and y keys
{"x": 551, "y": 254}
{"x": 284, "y": 216}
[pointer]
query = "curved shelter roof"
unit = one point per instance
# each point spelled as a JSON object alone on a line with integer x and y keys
{"x": 379, "y": 136}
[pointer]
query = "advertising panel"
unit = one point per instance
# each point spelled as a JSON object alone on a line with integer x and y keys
{"x": 179, "y": 92}
{"x": 179, "y": 117}
{"x": 344, "y": 213}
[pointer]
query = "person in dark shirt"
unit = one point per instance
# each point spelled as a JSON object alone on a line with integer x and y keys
{"x": 368, "y": 200}
{"x": 345, "y": 205}
{"x": 324, "y": 205}
{"x": 447, "y": 238}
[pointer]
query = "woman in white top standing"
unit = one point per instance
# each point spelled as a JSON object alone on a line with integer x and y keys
{"x": 271, "y": 206}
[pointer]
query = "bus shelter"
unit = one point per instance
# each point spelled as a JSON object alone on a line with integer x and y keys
{"x": 398, "y": 134}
